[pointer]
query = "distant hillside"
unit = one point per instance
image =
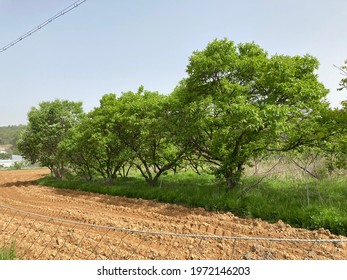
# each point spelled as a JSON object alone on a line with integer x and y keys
{"x": 9, "y": 136}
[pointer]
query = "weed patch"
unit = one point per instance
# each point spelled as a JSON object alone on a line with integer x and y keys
{"x": 310, "y": 204}
{"x": 8, "y": 252}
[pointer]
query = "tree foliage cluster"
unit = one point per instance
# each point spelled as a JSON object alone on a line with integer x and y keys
{"x": 9, "y": 135}
{"x": 343, "y": 82}
{"x": 48, "y": 125}
{"x": 5, "y": 155}
{"x": 236, "y": 103}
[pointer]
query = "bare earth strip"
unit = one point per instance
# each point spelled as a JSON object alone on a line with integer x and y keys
{"x": 128, "y": 228}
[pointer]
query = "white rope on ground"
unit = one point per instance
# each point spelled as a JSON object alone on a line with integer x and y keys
{"x": 246, "y": 238}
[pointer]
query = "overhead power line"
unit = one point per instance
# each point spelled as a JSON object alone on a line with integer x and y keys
{"x": 37, "y": 28}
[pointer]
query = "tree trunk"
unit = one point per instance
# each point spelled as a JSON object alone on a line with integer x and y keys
{"x": 231, "y": 183}
{"x": 152, "y": 181}
{"x": 58, "y": 172}
{"x": 233, "y": 177}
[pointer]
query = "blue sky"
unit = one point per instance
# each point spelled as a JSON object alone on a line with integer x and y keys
{"x": 106, "y": 46}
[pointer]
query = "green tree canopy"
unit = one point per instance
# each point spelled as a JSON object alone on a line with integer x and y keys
{"x": 92, "y": 148}
{"x": 5, "y": 156}
{"x": 9, "y": 135}
{"x": 336, "y": 147}
{"x": 144, "y": 123}
{"x": 343, "y": 82}
{"x": 245, "y": 103}
{"x": 48, "y": 125}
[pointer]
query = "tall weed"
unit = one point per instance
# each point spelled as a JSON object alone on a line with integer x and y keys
{"x": 307, "y": 203}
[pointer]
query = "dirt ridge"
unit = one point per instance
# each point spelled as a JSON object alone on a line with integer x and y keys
{"x": 41, "y": 239}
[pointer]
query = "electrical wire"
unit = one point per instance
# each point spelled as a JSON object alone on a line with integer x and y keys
{"x": 37, "y": 28}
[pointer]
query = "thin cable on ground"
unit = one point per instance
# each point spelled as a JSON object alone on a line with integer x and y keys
{"x": 176, "y": 234}
{"x": 37, "y": 28}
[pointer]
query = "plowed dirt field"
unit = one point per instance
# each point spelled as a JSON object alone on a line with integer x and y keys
{"x": 48, "y": 223}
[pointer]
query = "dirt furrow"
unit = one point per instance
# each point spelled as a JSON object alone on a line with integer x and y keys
{"x": 41, "y": 238}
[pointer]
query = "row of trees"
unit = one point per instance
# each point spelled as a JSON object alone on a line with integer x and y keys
{"x": 237, "y": 103}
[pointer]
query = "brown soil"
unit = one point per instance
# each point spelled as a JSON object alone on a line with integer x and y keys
{"x": 38, "y": 237}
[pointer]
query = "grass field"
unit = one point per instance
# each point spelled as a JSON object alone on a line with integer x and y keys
{"x": 309, "y": 203}
{"x": 8, "y": 252}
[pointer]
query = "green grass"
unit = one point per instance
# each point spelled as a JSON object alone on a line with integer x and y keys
{"x": 323, "y": 206}
{"x": 8, "y": 252}
{"x": 273, "y": 199}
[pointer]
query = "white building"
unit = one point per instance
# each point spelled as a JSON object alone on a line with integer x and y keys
{"x": 5, "y": 163}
